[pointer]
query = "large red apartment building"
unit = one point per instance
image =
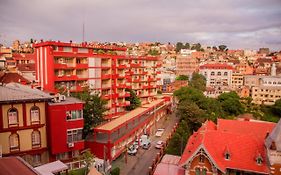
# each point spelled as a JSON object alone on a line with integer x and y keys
{"x": 104, "y": 69}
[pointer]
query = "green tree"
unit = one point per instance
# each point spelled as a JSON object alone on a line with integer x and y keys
{"x": 222, "y": 47}
{"x": 231, "y": 104}
{"x": 276, "y": 108}
{"x": 182, "y": 77}
{"x": 179, "y": 46}
{"x": 196, "y": 47}
{"x": 88, "y": 157}
{"x": 153, "y": 52}
{"x": 93, "y": 111}
{"x": 133, "y": 99}
{"x": 198, "y": 81}
{"x": 186, "y": 46}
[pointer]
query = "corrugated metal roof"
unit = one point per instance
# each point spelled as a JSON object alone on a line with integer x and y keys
{"x": 18, "y": 92}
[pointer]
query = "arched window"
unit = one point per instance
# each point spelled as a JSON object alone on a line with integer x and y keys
{"x": 201, "y": 158}
{"x": 212, "y": 73}
{"x": 36, "y": 138}
{"x": 204, "y": 171}
{"x": 35, "y": 115}
{"x": 219, "y": 73}
{"x": 14, "y": 142}
{"x": 225, "y": 73}
{"x": 13, "y": 116}
{"x": 197, "y": 171}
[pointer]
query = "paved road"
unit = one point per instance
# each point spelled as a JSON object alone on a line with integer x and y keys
{"x": 139, "y": 164}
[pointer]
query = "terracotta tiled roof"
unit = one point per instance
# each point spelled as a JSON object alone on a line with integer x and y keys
{"x": 13, "y": 77}
{"x": 243, "y": 139}
{"x": 216, "y": 66}
{"x": 26, "y": 67}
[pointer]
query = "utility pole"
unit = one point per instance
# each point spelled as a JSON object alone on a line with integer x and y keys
{"x": 83, "y": 30}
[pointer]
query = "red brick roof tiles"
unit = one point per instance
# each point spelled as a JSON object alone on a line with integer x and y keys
{"x": 243, "y": 139}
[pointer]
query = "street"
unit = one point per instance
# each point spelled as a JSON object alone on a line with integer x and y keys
{"x": 139, "y": 164}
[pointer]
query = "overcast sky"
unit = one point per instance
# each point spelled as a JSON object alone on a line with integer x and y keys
{"x": 248, "y": 24}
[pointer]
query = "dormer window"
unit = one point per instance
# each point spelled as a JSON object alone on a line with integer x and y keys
{"x": 259, "y": 159}
{"x": 227, "y": 156}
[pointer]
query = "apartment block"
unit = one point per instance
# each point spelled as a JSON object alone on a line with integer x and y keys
{"x": 106, "y": 70}
{"x": 186, "y": 65}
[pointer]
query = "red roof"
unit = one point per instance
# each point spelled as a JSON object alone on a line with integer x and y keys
{"x": 15, "y": 166}
{"x": 24, "y": 56}
{"x": 243, "y": 139}
{"x": 26, "y": 67}
{"x": 216, "y": 66}
{"x": 13, "y": 77}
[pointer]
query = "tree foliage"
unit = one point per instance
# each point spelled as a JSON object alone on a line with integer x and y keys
{"x": 276, "y": 108}
{"x": 93, "y": 111}
{"x": 230, "y": 103}
{"x": 222, "y": 47}
{"x": 88, "y": 157}
{"x": 182, "y": 77}
{"x": 133, "y": 99}
{"x": 198, "y": 81}
{"x": 153, "y": 52}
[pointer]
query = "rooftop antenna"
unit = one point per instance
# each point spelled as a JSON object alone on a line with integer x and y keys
{"x": 83, "y": 31}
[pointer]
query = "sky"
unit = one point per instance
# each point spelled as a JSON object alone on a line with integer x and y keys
{"x": 239, "y": 24}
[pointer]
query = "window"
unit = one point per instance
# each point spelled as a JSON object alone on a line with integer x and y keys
{"x": 74, "y": 135}
{"x": 13, "y": 116}
{"x": 201, "y": 158}
{"x": 197, "y": 171}
{"x": 204, "y": 171}
{"x": 14, "y": 142}
{"x": 36, "y": 159}
{"x": 225, "y": 73}
{"x": 35, "y": 115}
{"x": 227, "y": 156}
{"x": 62, "y": 156}
{"x": 72, "y": 115}
{"x": 259, "y": 160}
{"x": 219, "y": 73}
{"x": 212, "y": 73}
{"x": 36, "y": 139}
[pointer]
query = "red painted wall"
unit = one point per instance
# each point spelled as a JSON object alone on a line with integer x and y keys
{"x": 58, "y": 125}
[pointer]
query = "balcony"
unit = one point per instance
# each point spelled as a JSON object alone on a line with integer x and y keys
{"x": 135, "y": 65}
{"x": 106, "y": 97}
{"x": 82, "y": 76}
{"x": 105, "y": 76}
{"x": 123, "y": 95}
{"x": 60, "y": 66}
{"x": 121, "y": 66}
{"x": 76, "y": 89}
{"x": 136, "y": 80}
{"x": 151, "y": 79}
{"x": 129, "y": 72}
{"x": 81, "y": 66}
{"x": 120, "y": 76}
{"x": 66, "y": 78}
{"x": 121, "y": 104}
{"x": 121, "y": 85}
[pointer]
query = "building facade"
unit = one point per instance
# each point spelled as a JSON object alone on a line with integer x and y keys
{"x": 186, "y": 65}
{"x": 23, "y": 123}
{"x": 217, "y": 75}
{"x": 103, "y": 69}
{"x": 65, "y": 141}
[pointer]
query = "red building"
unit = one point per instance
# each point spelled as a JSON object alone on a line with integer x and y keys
{"x": 65, "y": 123}
{"x": 229, "y": 147}
{"x": 110, "y": 139}
{"x": 104, "y": 69}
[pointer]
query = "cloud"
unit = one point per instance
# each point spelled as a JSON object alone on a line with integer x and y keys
{"x": 237, "y": 23}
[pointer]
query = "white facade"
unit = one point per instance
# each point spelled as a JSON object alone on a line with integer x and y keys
{"x": 217, "y": 77}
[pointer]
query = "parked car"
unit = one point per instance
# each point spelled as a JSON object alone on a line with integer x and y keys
{"x": 159, "y": 144}
{"x": 159, "y": 132}
{"x": 137, "y": 143}
{"x": 146, "y": 145}
{"x": 132, "y": 150}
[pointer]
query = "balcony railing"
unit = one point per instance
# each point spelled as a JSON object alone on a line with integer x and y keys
{"x": 66, "y": 78}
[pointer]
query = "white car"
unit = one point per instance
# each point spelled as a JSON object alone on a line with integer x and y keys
{"x": 132, "y": 150}
{"x": 159, "y": 144}
{"x": 159, "y": 132}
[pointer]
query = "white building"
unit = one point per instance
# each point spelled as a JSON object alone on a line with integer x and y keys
{"x": 217, "y": 75}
